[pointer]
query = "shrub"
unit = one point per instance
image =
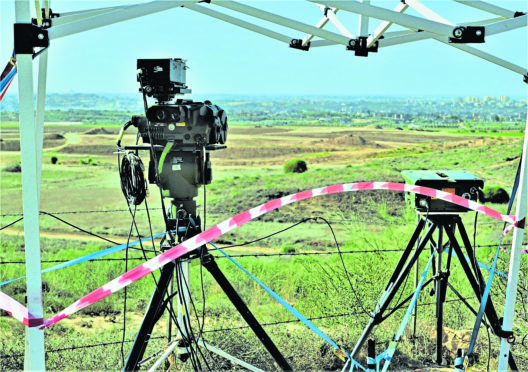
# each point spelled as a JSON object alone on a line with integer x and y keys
{"x": 288, "y": 249}
{"x": 14, "y": 168}
{"x": 494, "y": 194}
{"x": 295, "y": 166}
{"x": 87, "y": 161}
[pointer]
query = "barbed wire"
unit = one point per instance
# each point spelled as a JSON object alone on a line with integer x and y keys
{"x": 256, "y": 255}
{"x": 71, "y": 348}
{"x": 81, "y": 347}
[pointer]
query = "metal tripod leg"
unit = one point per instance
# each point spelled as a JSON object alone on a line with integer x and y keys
{"x": 211, "y": 266}
{"x": 150, "y": 319}
{"x": 396, "y": 280}
{"x": 183, "y": 304}
{"x": 489, "y": 310}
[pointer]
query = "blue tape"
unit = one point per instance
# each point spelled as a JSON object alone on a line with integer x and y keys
{"x": 8, "y": 78}
{"x": 392, "y": 349}
{"x": 89, "y": 257}
{"x": 485, "y": 296}
{"x": 480, "y": 264}
{"x": 290, "y": 308}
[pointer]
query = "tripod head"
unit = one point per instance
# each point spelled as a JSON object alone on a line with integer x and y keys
{"x": 179, "y": 136}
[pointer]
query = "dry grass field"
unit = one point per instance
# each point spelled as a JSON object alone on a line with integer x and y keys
{"x": 83, "y": 188}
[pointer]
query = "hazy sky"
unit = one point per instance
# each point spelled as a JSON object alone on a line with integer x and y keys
{"x": 227, "y": 59}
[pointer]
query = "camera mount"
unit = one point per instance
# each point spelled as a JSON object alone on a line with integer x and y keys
{"x": 179, "y": 137}
{"x": 444, "y": 219}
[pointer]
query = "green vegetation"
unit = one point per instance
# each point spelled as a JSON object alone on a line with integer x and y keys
{"x": 295, "y": 166}
{"x": 301, "y": 264}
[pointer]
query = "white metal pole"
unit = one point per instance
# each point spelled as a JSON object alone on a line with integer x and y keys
{"x": 490, "y": 8}
{"x": 30, "y": 152}
{"x": 335, "y": 21}
{"x": 426, "y": 12}
{"x": 322, "y": 22}
{"x": 363, "y": 22}
{"x": 79, "y": 16}
{"x": 238, "y": 22}
{"x": 229, "y": 356}
{"x": 389, "y": 15}
{"x": 283, "y": 21}
{"x": 115, "y": 16}
{"x": 41, "y": 107}
{"x": 515, "y": 259}
{"x": 506, "y": 25}
{"x": 183, "y": 302}
{"x": 384, "y": 26}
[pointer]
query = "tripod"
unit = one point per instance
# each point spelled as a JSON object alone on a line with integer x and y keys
{"x": 443, "y": 224}
{"x": 158, "y": 304}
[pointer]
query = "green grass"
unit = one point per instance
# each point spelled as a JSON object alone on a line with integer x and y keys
{"x": 316, "y": 285}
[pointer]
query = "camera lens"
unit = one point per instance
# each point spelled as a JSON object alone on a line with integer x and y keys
{"x": 161, "y": 115}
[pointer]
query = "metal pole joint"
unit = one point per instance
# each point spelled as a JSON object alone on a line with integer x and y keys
{"x": 468, "y": 35}
{"x": 360, "y": 46}
{"x": 28, "y": 37}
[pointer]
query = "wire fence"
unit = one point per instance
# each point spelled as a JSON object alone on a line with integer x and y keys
{"x": 220, "y": 330}
{"x": 253, "y": 255}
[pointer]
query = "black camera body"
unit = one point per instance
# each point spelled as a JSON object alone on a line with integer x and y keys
{"x": 458, "y": 182}
{"x": 162, "y": 78}
{"x": 186, "y": 123}
{"x": 182, "y": 134}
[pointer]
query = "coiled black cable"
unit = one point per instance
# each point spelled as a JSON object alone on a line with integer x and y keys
{"x": 132, "y": 173}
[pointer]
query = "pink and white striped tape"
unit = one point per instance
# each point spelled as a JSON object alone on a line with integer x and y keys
{"x": 216, "y": 231}
{"x": 19, "y": 311}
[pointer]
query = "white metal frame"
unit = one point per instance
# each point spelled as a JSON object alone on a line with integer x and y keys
{"x": 431, "y": 26}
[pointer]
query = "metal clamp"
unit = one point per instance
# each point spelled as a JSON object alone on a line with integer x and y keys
{"x": 29, "y": 36}
{"x": 468, "y": 34}
{"x": 359, "y": 46}
{"x": 298, "y": 44}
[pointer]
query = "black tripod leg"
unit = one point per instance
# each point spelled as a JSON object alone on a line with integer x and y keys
{"x": 439, "y": 313}
{"x": 489, "y": 310}
{"x": 397, "y": 278}
{"x": 150, "y": 318}
{"x": 407, "y": 252}
{"x": 211, "y": 266}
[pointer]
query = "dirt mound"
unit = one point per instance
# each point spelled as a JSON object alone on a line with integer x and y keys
{"x": 9, "y": 145}
{"x": 350, "y": 140}
{"x": 98, "y": 131}
{"x": 54, "y": 136}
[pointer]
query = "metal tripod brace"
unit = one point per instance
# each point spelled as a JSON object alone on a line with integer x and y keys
{"x": 442, "y": 223}
{"x": 158, "y": 305}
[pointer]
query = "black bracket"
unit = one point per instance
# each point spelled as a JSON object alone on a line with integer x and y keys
{"x": 518, "y": 14}
{"x": 29, "y": 36}
{"x": 298, "y": 44}
{"x": 468, "y": 34}
{"x": 46, "y": 22}
{"x": 359, "y": 46}
{"x": 525, "y": 78}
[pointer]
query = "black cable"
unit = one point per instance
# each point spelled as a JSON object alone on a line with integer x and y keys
{"x": 193, "y": 337}
{"x": 344, "y": 267}
{"x": 132, "y": 174}
{"x": 489, "y": 350}
{"x": 188, "y": 341}
{"x": 407, "y": 278}
{"x": 125, "y": 293}
{"x": 153, "y": 155}
{"x": 150, "y": 228}
{"x": 78, "y": 228}
{"x": 11, "y": 224}
{"x": 268, "y": 236}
